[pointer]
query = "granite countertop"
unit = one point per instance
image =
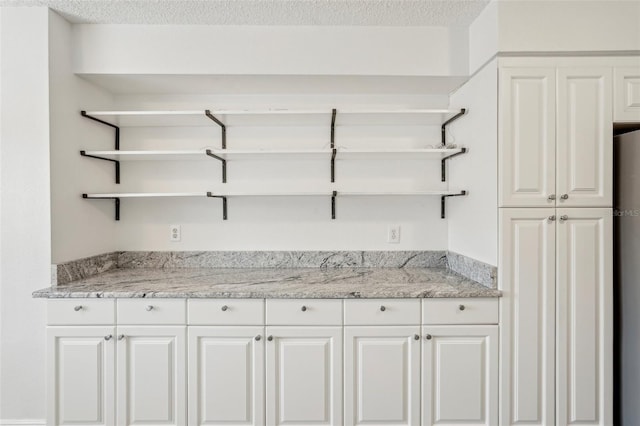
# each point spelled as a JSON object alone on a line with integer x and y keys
{"x": 276, "y": 283}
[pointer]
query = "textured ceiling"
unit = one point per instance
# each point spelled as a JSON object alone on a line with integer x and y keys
{"x": 265, "y": 12}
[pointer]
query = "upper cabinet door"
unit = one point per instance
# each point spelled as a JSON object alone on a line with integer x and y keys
{"x": 526, "y": 137}
{"x": 584, "y": 175}
{"x": 626, "y": 95}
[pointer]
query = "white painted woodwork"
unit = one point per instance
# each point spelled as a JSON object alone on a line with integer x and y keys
{"x": 460, "y": 375}
{"x": 584, "y": 170}
{"x": 81, "y": 312}
{"x": 527, "y": 267}
{"x": 382, "y": 380}
{"x": 151, "y": 375}
{"x": 382, "y": 312}
{"x": 626, "y": 94}
{"x": 585, "y": 330}
{"x": 526, "y": 137}
{"x": 154, "y": 311}
{"x": 304, "y": 376}
{"x": 226, "y": 376}
{"x": 304, "y": 311}
{"x": 80, "y": 376}
{"x": 470, "y": 310}
{"x": 225, "y": 311}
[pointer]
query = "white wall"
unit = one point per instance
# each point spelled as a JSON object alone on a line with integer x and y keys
{"x": 78, "y": 228}
{"x": 473, "y": 220}
{"x": 483, "y": 37}
{"x": 252, "y": 50}
{"x": 25, "y": 228}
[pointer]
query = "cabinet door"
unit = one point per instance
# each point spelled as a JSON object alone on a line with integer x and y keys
{"x": 585, "y": 331}
{"x": 304, "y": 375}
{"x": 626, "y": 94}
{"x": 226, "y": 376}
{"x": 382, "y": 375}
{"x": 80, "y": 376}
{"x": 526, "y": 137}
{"x": 527, "y": 277}
{"x": 584, "y": 176}
{"x": 460, "y": 375}
{"x": 151, "y": 370}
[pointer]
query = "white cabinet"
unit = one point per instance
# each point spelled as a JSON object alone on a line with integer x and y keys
{"x": 80, "y": 376}
{"x": 151, "y": 375}
{"x": 304, "y": 375}
{"x": 626, "y": 94}
{"x": 382, "y": 384}
{"x": 460, "y": 375}
{"x": 226, "y": 375}
{"x": 527, "y": 276}
{"x": 555, "y": 156}
{"x": 584, "y": 333}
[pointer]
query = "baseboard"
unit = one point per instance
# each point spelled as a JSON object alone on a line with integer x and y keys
{"x": 23, "y": 422}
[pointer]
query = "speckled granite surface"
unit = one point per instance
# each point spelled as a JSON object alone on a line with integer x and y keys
{"x": 473, "y": 269}
{"x": 74, "y": 270}
{"x": 323, "y": 283}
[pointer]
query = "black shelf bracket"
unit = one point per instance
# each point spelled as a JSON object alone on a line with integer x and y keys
{"x": 333, "y": 204}
{"x": 222, "y": 126}
{"x": 117, "y": 138}
{"x": 116, "y": 162}
{"x": 224, "y": 203}
{"x": 333, "y": 145}
{"x": 443, "y": 199}
{"x": 444, "y": 162}
{"x": 443, "y": 129}
{"x": 224, "y": 164}
{"x": 116, "y": 199}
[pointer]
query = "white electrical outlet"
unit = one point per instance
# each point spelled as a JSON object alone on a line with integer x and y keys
{"x": 393, "y": 235}
{"x": 175, "y": 233}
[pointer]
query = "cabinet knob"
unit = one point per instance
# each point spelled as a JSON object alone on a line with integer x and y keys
{"x": 149, "y": 307}
{"x": 224, "y": 308}
{"x": 461, "y": 307}
{"x": 428, "y": 337}
{"x": 564, "y": 196}
{"x": 551, "y": 197}
{"x": 564, "y": 217}
{"x": 108, "y": 337}
{"x": 552, "y": 218}
{"x": 77, "y": 308}
{"x": 303, "y": 309}
{"x": 258, "y": 337}
{"x": 270, "y": 338}
{"x": 416, "y": 337}
{"x": 383, "y": 308}
{"x": 120, "y": 336}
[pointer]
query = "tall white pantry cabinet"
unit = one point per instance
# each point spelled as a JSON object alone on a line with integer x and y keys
{"x": 555, "y": 192}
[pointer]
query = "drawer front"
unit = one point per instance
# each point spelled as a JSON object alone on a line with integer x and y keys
{"x": 81, "y": 312}
{"x": 226, "y": 311}
{"x": 152, "y": 311}
{"x": 382, "y": 312}
{"x": 304, "y": 312}
{"x": 460, "y": 311}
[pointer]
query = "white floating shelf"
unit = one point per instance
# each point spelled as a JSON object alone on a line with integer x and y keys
{"x": 226, "y": 193}
{"x": 145, "y": 194}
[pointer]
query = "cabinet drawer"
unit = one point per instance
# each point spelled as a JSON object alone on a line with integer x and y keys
{"x": 81, "y": 312}
{"x": 304, "y": 312}
{"x": 382, "y": 312}
{"x": 226, "y": 311}
{"x": 152, "y": 311}
{"x": 460, "y": 311}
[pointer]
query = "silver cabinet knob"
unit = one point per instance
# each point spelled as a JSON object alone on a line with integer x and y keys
{"x": 552, "y": 218}
{"x": 270, "y": 338}
{"x": 564, "y": 217}
{"x": 564, "y": 196}
{"x": 461, "y": 307}
{"x": 303, "y": 309}
{"x": 120, "y": 336}
{"x": 428, "y": 337}
{"x": 149, "y": 307}
{"x": 108, "y": 337}
{"x": 224, "y": 308}
{"x": 551, "y": 197}
{"x": 416, "y": 337}
{"x": 77, "y": 308}
{"x": 383, "y": 308}
{"x": 258, "y": 337}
